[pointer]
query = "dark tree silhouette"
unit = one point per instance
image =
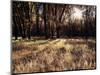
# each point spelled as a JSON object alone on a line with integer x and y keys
{"x": 52, "y": 20}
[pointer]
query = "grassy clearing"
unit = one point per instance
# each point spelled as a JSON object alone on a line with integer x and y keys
{"x": 53, "y": 55}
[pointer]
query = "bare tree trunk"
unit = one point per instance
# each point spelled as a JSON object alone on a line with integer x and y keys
{"x": 58, "y": 25}
{"x": 37, "y": 19}
{"x": 45, "y": 21}
{"x": 15, "y": 28}
{"x": 14, "y": 11}
{"x": 29, "y": 7}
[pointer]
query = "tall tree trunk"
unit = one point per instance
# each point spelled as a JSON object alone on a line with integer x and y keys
{"x": 58, "y": 24}
{"x": 15, "y": 27}
{"x": 14, "y": 12}
{"x": 86, "y": 23}
{"x": 45, "y": 25}
{"x": 37, "y": 19}
{"x": 29, "y": 17}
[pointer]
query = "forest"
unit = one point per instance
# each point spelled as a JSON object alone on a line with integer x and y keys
{"x": 52, "y": 20}
{"x": 52, "y": 37}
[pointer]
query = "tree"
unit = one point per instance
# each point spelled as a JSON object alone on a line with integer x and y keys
{"x": 45, "y": 20}
{"x": 37, "y": 18}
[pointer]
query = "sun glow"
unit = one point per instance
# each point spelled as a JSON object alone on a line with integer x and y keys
{"x": 77, "y": 13}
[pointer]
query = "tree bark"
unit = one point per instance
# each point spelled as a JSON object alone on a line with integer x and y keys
{"x": 45, "y": 21}
{"x": 37, "y": 19}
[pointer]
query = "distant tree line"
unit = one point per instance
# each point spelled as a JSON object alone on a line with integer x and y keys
{"x": 31, "y": 19}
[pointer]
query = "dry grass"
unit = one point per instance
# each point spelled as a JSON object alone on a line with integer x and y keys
{"x": 53, "y": 55}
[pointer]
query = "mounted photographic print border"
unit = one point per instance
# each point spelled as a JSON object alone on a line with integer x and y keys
{"x": 52, "y": 37}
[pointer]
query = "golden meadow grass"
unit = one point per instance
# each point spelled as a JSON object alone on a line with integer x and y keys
{"x": 53, "y": 55}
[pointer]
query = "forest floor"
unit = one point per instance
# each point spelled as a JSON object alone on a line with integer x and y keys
{"x": 40, "y": 55}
